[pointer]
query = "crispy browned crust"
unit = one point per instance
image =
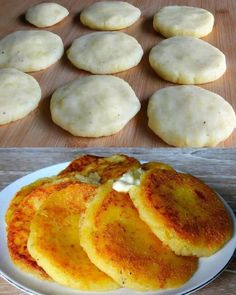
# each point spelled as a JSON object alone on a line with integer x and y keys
{"x": 21, "y": 194}
{"x": 80, "y": 164}
{"x": 54, "y": 240}
{"x": 107, "y": 168}
{"x": 19, "y": 227}
{"x": 123, "y": 246}
{"x": 185, "y": 204}
{"x": 156, "y": 165}
{"x": 26, "y": 202}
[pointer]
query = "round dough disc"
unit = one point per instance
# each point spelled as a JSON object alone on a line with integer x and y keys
{"x": 105, "y": 52}
{"x": 94, "y": 106}
{"x": 30, "y": 51}
{"x": 187, "y": 60}
{"x": 189, "y": 116}
{"x": 46, "y": 14}
{"x": 115, "y": 15}
{"x": 183, "y": 21}
{"x": 20, "y": 94}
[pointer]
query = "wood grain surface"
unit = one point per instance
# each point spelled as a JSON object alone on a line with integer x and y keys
{"x": 37, "y": 129}
{"x": 217, "y": 167}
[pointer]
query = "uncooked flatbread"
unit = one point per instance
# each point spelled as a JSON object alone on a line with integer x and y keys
{"x": 46, "y": 14}
{"x": 183, "y": 21}
{"x": 189, "y": 116}
{"x": 20, "y": 94}
{"x": 187, "y": 60}
{"x": 105, "y": 52}
{"x": 30, "y": 51}
{"x": 115, "y": 15}
{"x": 94, "y": 106}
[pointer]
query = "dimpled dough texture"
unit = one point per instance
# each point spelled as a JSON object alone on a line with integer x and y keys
{"x": 94, "y": 106}
{"x": 105, "y": 52}
{"x": 30, "y": 51}
{"x": 46, "y": 14}
{"x": 187, "y": 60}
{"x": 189, "y": 116}
{"x": 19, "y": 95}
{"x": 183, "y": 21}
{"x": 106, "y": 15}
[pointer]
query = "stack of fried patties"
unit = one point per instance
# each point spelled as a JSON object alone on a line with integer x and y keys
{"x": 77, "y": 230}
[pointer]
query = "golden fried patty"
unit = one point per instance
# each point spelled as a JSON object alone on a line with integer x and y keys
{"x": 156, "y": 165}
{"x": 182, "y": 211}
{"x": 54, "y": 240}
{"x": 105, "y": 168}
{"x": 119, "y": 243}
{"x": 18, "y": 226}
{"x": 28, "y": 200}
{"x": 23, "y": 192}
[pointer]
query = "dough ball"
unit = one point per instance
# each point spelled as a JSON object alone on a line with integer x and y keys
{"x": 94, "y": 106}
{"x": 190, "y": 116}
{"x": 187, "y": 60}
{"x": 105, "y": 52}
{"x": 183, "y": 21}
{"x": 20, "y": 94}
{"x": 115, "y": 15}
{"x": 30, "y": 51}
{"x": 46, "y": 14}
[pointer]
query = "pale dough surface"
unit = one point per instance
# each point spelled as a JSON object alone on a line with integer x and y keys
{"x": 190, "y": 116}
{"x": 115, "y": 15}
{"x": 46, "y": 14}
{"x": 20, "y": 94}
{"x": 30, "y": 51}
{"x": 105, "y": 52}
{"x": 94, "y": 106}
{"x": 183, "y": 21}
{"x": 187, "y": 60}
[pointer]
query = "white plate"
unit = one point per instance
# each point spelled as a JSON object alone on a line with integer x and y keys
{"x": 209, "y": 268}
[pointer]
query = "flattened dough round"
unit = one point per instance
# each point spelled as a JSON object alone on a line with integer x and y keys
{"x": 115, "y": 15}
{"x": 189, "y": 116}
{"x": 105, "y": 52}
{"x": 179, "y": 20}
{"x": 20, "y": 94}
{"x": 30, "y": 51}
{"x": 94, "y": 106}
{"x": 187, "y": 60}
{"x": 46, "y": 14}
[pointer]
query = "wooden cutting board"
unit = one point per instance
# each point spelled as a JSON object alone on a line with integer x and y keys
{"x": 37, "y": 129}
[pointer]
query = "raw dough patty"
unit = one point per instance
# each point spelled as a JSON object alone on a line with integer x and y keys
{"x": 189, "y": 116}
{"x": 94, "y": 106}
{"x": 30, "y": 51}
{"x": 106, "y": 15}
{"x": 105, "y": 52}
{"x": 46, "y": 14}
{"x": 187, "y": 60}
{"x": 19, "y": 95}
{"x": 183, "y": 21}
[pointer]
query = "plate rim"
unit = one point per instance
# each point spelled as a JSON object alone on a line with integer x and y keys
{"x": 62, "y": 165}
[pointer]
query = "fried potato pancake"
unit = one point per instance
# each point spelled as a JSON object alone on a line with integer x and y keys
{"x": 54, "y": 240}
{"x": 20, "y": 215}
{"x": 182, "y": 211}
{"x": 28, "y": 200}
{"x": 119, "y": 243}
{"x": 23, "y": 192}
{"x": 157, "y": 165}
{"x": 105, "y": 168}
